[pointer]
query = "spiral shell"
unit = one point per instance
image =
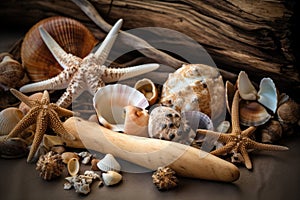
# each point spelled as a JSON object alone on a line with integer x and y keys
{"x": 70, "y": 34}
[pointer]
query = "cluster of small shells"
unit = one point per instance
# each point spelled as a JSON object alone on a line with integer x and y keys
{"x": 165, "y": 178}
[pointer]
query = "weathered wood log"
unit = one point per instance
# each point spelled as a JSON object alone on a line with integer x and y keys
{"x": 254, "y": 36}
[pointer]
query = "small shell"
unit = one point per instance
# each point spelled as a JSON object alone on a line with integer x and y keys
{"x": 267, "y": 94}
{"x": 36, "y": 96}
{"x": 109, "y": 163}
{"x": 246, "y": 89}
{"x": 67, "y": 156}
{"x": 94, "y": 166}
{"x": 136, "y": 121}
{"x": 50, "y": 165}
{"x": 9, "y": 118}
{"x": 11, "y": 72}
{"x": 271, "y": 132}
{"x": 253, "y": 114}
{"x": 289, "y": 112}
{"x": 111, "y": 178}
{"x": 73, "y": 166}
{"x": 70, "y": 34}
{"x": 148, "y": 88}
{"x": 165, "y": 178}
{"x": 109, "y": 103}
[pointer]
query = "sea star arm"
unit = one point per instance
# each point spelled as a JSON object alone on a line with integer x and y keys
{"x": 41, "y": 127}
{"x": 62, "y": 111}
{"x": 25, "y": 122}
{"x": 227, "y": 148}
{"x": 251, "y": 144}
{"x": 57, "y": 126}
{"x": 245, "y": 155}
{"x": 25, "y": 99}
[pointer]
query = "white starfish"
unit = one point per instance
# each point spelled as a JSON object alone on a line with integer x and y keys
{"x": 87, "y": 73}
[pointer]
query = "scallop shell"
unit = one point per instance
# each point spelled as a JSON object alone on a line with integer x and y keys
{"x": 253, "y": 114}
{"x": 111, "y": 178}
{"x": 148, "y": 88}
{"x": 109, "y": 163}
{"x": 11, "y": 71}
{"x": 70, "y": 34}
{"x": 136, "y": 121}
{"x": 195, "y": 87}
{"x": 267, "y": 94}
{"x": 9, "y": 118}
{"x": 109, "y": 103}
{"x": 246, "y": 89}
{"x": 73, "y": 166}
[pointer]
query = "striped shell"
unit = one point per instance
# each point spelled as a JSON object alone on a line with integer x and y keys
{"x": 70, "y": 34}
{"x": 9, "y": 118}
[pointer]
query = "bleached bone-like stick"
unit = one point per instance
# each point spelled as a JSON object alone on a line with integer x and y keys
{"x": 150, "y": 153}
{"x": 127, "y": 38}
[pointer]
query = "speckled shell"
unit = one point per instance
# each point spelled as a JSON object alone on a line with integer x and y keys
{"x": 9, "y": 117}
{"x": 50, "y": 165}
{"x": 195, "y": 87}
{"x": 11, "y": 71}
{"x": 70, "y": 34}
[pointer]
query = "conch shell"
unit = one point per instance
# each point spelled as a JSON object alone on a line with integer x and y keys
{"x": 70, "y": 34}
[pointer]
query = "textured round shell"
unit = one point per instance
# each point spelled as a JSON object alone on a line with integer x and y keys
{"x": 70, "y": 34}
{"x": 109, "y": 163}
{"x": 109, "y": 103}
{"x": 196, "y": 87}
{"x": 253, "y": 114}
{"x": 9, "y": 118}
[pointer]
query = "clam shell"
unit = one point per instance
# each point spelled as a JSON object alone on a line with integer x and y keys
{"x": 111, "y": 178}
{"x": 148, "y": 88}
{"x": 136, "y": 121}
{"x": 109, "y": 103}
{"x": 267, "y": 94}
{"x": 109, "y": 163}
{"x": 73, "y": 166}
{"x": 9, "y": 117}
{"x": 246, "y": 89}
{"x": 195, "y": 87}
{"x": 70, "y": 34}
{"x": 253, "y": 114}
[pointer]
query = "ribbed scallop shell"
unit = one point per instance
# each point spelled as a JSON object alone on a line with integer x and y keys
{"x": 109, "y": 163}
{"x": 109, "y": 103}
{"x": 9, "y": 118}
{"x": 70, "y": 34}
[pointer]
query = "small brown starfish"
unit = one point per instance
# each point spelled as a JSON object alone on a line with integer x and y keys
{"x": 44, "y": 114}
{"x": 238, "y": 141}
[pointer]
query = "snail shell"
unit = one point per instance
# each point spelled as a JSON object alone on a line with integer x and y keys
{"x": 70, "y": 34}
{"x": 11, "y": 71}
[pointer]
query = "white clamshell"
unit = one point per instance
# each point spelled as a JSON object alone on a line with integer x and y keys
{"x": 267, "y": 94}
{"x": 246, "y": 89}
{"x": 109, "y": 103}
{"x": 109, "y": 163}
{"x": 111, "y": 178}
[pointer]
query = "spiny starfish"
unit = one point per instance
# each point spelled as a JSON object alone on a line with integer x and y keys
{"x": 87, "y": 73}
{"x": 44, "y": 114}
{"x": 238, "y": 142}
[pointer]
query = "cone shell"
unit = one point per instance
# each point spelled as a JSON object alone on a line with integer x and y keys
{"x": 70, "y": 34}
{"x": 148, "y": 88}
{"x": 253, "y": 114}
{"x": 109, "y": 163}
{"x": 73, "y": 166}
{"x": 9, "y": 118}
{"x": 136, "y": 121}
{"x": 111, "y": 178}
{"x": 109, "y": 103}
{"x": 195, "y": 87}
{"x": 11, "y": 71}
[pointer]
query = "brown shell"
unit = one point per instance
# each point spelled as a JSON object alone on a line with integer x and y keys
{"x": 70, "y": 34}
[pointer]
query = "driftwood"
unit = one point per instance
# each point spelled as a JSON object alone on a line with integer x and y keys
{"x": 254, "y": 36}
